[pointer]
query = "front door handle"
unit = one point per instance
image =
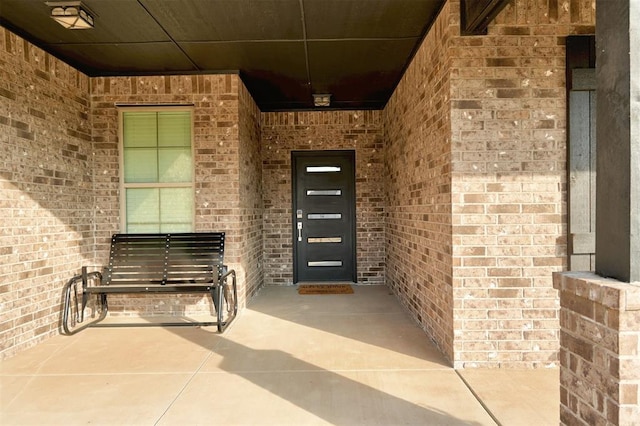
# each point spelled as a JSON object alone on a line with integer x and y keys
{"x": 299, "y": 231}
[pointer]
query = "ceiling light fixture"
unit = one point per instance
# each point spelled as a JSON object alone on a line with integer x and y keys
{"x": 73, "y": 15}
{"x": 322, "y": 100}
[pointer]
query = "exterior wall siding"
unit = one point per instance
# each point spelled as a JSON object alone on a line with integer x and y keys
{"x": 508, "y": 94}
{"x": 46, "y": 200}
{"x": 479, "y": 280}
{"x": 284, "y": 132}
{"x": 417, "y": 126}
{"x": 251, "y": 224}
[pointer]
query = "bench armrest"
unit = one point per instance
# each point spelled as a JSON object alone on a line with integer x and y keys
{"x": 73, "y": 310}
{"x": 226, "y": 299}
{"x": 227, "y": 272}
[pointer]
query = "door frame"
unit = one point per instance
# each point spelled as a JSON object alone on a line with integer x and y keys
{"x": 351, "y": 153}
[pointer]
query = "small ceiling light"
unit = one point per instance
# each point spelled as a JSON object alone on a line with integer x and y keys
{"x": 73, "y": 15}
{"x": 322, "y": 100}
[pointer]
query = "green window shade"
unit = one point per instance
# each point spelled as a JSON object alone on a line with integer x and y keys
{"x": 140, "y": 165}
{"x": 140, "y": 129}
{"x": 143, "y": 210}
{"x": 176, "y": 210}
{"x": 157, "y": 150}
{"x": 157, "y": 147}
{"x": 174, "y": 165}
{"x": 176, "y": 204}
{"x": 159, "y": 210}
{"x": 174, "y": 129}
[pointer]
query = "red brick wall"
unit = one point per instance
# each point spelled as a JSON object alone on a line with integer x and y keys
{"x": 46, "y": 213}
{"x": 284, "y": 132}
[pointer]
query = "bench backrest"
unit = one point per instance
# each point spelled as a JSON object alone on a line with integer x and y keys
{"x": 165, "y": 258}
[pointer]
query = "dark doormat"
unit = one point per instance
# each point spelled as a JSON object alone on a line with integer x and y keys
{"x": 325, "y": 289}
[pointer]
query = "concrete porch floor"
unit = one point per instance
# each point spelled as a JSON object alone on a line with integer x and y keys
{"x": 288, "y": 359}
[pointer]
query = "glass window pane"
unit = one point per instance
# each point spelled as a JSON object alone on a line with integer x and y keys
{"x": 143, "y": 228}
{"x": 166, "y": 228}
{"x": 174, "y": 128}
{"x": 140, "y": 165}
{"x": 143, "y": 208}
{"x": 157, "y": 149}
{"x": 325, "y": 263}
{"x": 324, "y": 240}
{"x": 176, "y": 207}
{"x": 140, "y": 129}
{"x": 324, "y": 216}
{"x": 314, "y": 192}
{"x": 323, "y": 169}
{"x": 175, "y": 165}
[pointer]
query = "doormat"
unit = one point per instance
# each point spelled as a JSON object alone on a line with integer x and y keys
{"x": 325, "y": 289}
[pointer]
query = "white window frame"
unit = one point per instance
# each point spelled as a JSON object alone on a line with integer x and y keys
{"x": 124, "y": 186}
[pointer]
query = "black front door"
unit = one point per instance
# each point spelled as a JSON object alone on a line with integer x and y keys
{"x": 324, "y": 225}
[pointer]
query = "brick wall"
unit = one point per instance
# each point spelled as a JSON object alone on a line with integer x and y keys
{"x": 250, "y": 242}
{"x": 284, "y": 132}
{"x": 226, "y": 143}
{"x": 509, "y": 182}
{"x": 46, "y": 203}
{"x": 471, "y": 149}
{"x": 600, "y": 352}
{"x": 478, "y": 276}
{"x": 417, "y": 127}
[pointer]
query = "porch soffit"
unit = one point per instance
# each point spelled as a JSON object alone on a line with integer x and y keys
{"x": 284, "y": 50}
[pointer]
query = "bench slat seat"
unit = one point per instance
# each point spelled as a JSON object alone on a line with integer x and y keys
{"x": 156, "y": 263}
{"x": 151, "y": 288}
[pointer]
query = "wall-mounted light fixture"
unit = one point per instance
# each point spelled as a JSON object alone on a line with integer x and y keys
{"x": 322, "y": 100}
{"x": 73, "y": 15}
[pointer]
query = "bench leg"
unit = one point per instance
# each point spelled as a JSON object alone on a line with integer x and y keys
{"x": 225, "y": 300}
{"x": 217, "y": 296}
{"x": 76, "y": 299}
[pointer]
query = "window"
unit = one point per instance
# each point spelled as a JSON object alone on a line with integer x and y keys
{"x": 157, "y": 170}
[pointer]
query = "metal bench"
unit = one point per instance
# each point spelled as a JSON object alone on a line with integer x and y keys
{"x": 154, "y": 263}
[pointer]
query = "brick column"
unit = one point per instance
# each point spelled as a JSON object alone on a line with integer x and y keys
{"x": 600, "y": 350}
{"x": 600, "y": 318}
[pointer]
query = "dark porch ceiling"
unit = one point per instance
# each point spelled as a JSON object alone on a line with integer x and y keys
{"x": 285, "y": 50}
